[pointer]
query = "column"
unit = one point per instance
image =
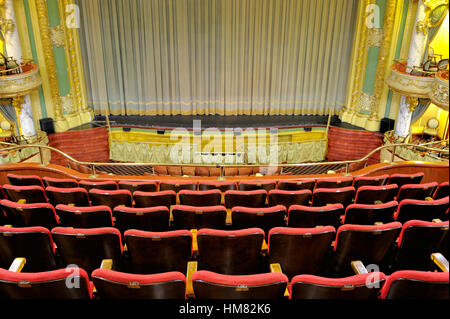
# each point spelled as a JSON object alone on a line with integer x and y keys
{"x": 14, "y": 49}
{"x": 416, "y": 50}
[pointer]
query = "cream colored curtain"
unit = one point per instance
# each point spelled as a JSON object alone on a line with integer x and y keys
{"x": 226, "y": 57}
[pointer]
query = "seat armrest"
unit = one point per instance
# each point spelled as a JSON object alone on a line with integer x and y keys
{"x": 194, "y": 241}
{"x": 106, "y": 264}
{"x": 191, "y": 269}
{"x": 440, "y": 261}
{"x": 358, "y": 267}
{"x": 276, "y": 267}
{"x": 17, "y": 264}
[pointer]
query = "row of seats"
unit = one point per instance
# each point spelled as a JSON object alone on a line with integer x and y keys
{"x": 255, "y": 198}
{"x": 110, "y": 284}
{"x": 319, "y": 250}
{"x": 243, "y": 185}
{"x": 162, "y": 218}
{"x": 300, "y": 255}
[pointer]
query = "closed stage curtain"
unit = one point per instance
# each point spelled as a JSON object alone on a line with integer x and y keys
{"x": 225, "y": 57}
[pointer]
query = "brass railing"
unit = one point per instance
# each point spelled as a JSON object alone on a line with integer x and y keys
{"x": 93, "y": 165}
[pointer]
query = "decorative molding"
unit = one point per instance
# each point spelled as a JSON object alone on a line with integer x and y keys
{"x": 57, "y": 36}
{"x": 388, "y": 27}
{"x": 20, "y": 84}
{"x": 375, "y": 37}
{"x": 366, "y": 102}
{"x": 439, "y": 90}
{"x": 73, "y": 57}
{"x": 412, "y": 102}
{"x": 67, "y": 104}
{"x": 47, "y": 46}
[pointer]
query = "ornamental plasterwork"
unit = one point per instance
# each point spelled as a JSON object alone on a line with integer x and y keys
{"x": 366, "y": 102}
{"x": 67, "y": 104}
{"x": 57, "y": 35}
{"x": 375, "y": 38}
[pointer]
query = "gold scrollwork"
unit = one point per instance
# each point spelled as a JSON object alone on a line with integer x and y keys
{"x": 412, "y": 103}
{"x": 57, "y": 35}
{"x": 41, "y": 6}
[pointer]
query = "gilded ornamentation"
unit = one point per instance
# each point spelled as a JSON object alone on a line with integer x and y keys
{"x": 388, "y": 28}
{"x": 422, "y": 27}
{"x": 412, "y": 103}
{"x": 360, "y": 61}
{"x": 439, "y": 91}
{"x": 57, "y": 35}
{"x": 75, "y": 69}
{"x": 375, "y": 37}
{"x": 18, "y": 101}
{"x": 409, "y": 85}
{"x": 366, "y": 102}
{"x": 67, "y": 104}
{"x": 41, "y": 6}
{"x": 20, "y": 84}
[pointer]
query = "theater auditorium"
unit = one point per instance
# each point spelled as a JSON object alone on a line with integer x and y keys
{"x": 224, "y": 149}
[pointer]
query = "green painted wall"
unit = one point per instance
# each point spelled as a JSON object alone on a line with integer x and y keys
{"x": 59, "y": 53}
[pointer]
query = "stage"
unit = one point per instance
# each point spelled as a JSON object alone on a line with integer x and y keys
{"x": 217, "y": 121}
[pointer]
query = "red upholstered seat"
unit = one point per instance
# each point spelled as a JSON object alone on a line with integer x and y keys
{"x": 77, "y": 196}
{"x": 416, "y": 191}
{"x": 88, "y": 247}
{"x": 369, "y": 244}
{"x": 325, "y": 196}
{"x": 33, "y": 243}
{"x": 253, "y": 185}
{"x": 153, "y": 199}
{"x": 402, "y": 179}
{"x": 306, "y": 216}
{"x": 379, "y": 180}
{"x": 428, "y": 210}
{"x": 300, "y": 250}
{"x": 176, "y": 186}
{"x": 142, "y": 186}
{"x": 222, "y": 185}
{"x": 363, "y": 286}
{"x": 200, "y": 198}
{"x": 417, "y": 241}
{"x": 25, "y": 180}
{"x": 197, "y": 217}
{"x": 264, "y": 218}
{"x": 105, "y": 185}
{"x": 369, "y": 214}
{"x": 85, "y": 217}
{"x": 168, "y": 251}
{"x": 255, "y": 198}
{"x": 121, "y": 197}
{"x": 335, "y": 182}
{"x": 149, "y": 218}
{"x": 230, "y": 252}
{"x": 31, "y": 194}
{"x": 46, "y": 285}
{"x": 288, "y": 198}
{"x": 442, "y": 191}
{"x": 409, "y": 284}
{"x": 376, "y": 194}
{"x": 211, "y": 285}
{"x": 112, "y": 284}
{"x": 26, "y": 215}
{"x": 292, "y": 185}
{"x": 60, "y": 182}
